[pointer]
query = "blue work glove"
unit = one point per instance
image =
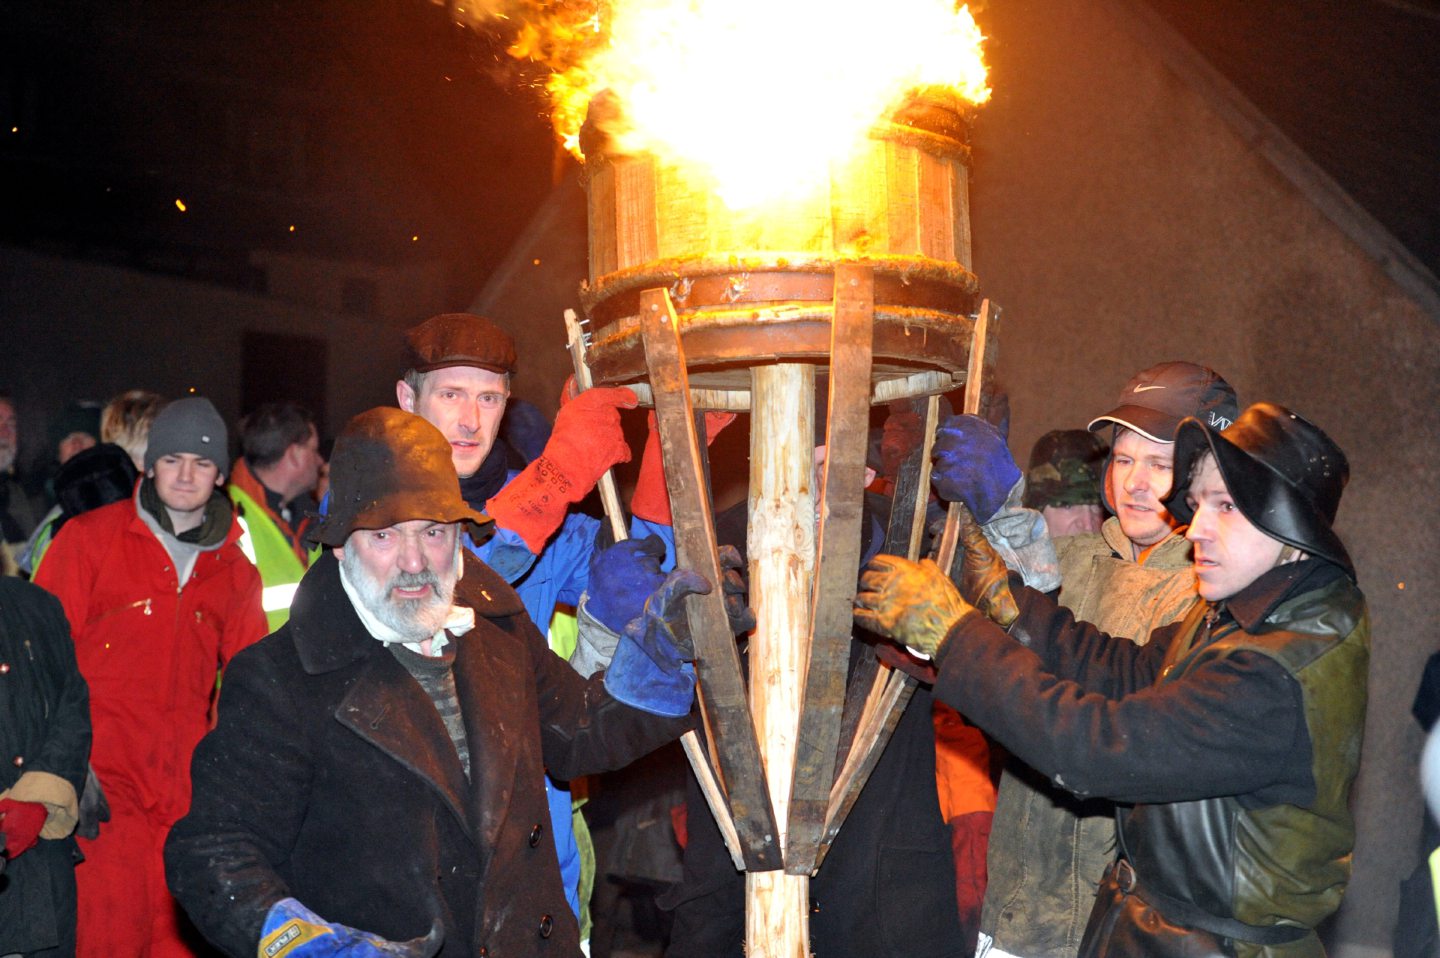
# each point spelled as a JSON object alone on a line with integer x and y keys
{"x": 650, "y": 670}
{"x": 293, "y": 931}
{"x": 973, "y": 465}
{"x": 622, "y": 577}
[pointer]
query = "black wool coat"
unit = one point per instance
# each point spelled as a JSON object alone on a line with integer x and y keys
{"x": 44, "y": 727}
{"x": 330, "y": 778}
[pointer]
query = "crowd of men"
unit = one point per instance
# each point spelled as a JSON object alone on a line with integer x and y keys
{"x": 281, "y": 707}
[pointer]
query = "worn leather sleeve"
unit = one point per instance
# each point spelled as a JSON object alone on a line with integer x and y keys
{"x": 584, "y": 730}
{"x": 1082, "y": 708}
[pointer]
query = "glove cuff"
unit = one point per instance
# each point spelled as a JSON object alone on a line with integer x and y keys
{"x": 56, "y": 794}
{"x": 533, "y": 504}
{"x": 651, "y": 500}
{"x": 635, "y": 680}
{"x": 595, "y": 646}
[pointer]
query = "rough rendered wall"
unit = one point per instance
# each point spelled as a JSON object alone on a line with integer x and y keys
{"x": 73, "y": 330}
{"x": 1121, "y": 222}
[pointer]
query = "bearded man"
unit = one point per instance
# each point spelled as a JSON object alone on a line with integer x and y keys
{"x": 374, "y": 784}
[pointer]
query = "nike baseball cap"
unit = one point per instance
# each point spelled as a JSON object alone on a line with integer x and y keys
{"x": 1154, "y": 402}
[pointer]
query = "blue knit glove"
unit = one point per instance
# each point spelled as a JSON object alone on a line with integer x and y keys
{"x": 622, "y": 577}
{"x": 650, "y": 670}
{"x": 973, "y": 465}
{"x": 293, "y": 931}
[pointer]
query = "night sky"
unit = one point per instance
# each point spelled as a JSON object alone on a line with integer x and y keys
{"x": 363, "y": 130}
{"x": 380, "y": 130}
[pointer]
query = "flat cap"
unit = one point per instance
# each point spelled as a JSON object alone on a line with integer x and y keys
{"x": 460, "y": 339}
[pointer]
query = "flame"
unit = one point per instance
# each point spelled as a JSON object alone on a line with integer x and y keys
{"x": 758, "y": 96}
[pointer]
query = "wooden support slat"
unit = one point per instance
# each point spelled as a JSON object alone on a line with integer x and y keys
{"x": 727, "y": 712}
{"x": 609, "y": 495}
{"x": 906, "y": 499}
{"x": 837, "y": 564}
{"x": 704, "y": 771}
{"x": 925, "y": 383}
{"x": 891, "y": 690}
{"x": 981, "y": 370}
{"x": 888, "y": 706}
{"x": 732, "y": 400}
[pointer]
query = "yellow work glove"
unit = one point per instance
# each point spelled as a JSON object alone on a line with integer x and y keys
{"x": 912, "y": 603}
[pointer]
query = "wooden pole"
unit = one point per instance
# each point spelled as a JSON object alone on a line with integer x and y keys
{"x": 609, "y": 495}
{"x": 610, "y": 501}
{"x": 729, "y": 723}
{"x": 980, "y": 370}
{"x": 781, "y": 543}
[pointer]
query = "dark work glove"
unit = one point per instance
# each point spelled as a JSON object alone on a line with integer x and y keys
{"x": 293, "y": 931}
{"x": 622, "y": 577}
{"x": 732, "y": 583}
{"x": 913, "y": 603}
{"x": 94, "y": 809}
{"x": 973, "y": 465}
{"x": 651, "y": 669}
{"x": 984, "y": 579}
{"x": 21, "y": 823}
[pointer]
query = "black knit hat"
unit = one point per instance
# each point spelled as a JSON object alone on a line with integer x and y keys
{"x": 1154, "y": 402}
{"x": 390, "y": 466}
{"x": 1284, "y": 473}
{"x": 190, "y": 425}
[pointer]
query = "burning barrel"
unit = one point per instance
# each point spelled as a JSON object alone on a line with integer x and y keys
{"x": 861, "y": 281}
{"x": 756, "y": 286}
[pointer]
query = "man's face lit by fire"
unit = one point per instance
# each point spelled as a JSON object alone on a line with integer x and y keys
{"x": 465, "y": 403}
{"x": 405, "y": 574}
{"x": 1229, "y": 551}
{"x": 1141, "y": 473}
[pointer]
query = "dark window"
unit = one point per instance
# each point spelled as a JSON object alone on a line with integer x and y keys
{"x": 357, "y": 297}
{"x": 276, "y": 367}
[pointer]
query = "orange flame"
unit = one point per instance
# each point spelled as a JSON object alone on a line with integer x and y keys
{"x": 759, "y": 96}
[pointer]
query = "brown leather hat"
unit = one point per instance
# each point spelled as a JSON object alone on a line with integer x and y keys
{"x": 390, "y": 466}
{"x": 460, "y": 339}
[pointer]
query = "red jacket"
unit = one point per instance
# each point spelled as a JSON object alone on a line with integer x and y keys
{"x": 149, "y": 649}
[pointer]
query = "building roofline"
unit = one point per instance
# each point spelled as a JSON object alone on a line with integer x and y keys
{"x": 1265, "y": 138}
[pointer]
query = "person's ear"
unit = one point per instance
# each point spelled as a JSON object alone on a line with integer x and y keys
{"x": 219, "y": 479}
{"x": 338, "y": 552}
{"x": 404, "y": 395}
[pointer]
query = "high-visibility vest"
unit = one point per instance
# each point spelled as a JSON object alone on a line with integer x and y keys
{"x": 265, "y": 545}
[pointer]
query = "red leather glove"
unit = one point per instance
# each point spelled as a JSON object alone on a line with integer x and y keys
{"x": 20, "y": 823}
{"x": 586, "y": 441}
{"x": 652, "y": 499}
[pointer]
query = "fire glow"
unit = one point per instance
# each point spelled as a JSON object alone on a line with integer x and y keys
{"x": 758, "y": 97}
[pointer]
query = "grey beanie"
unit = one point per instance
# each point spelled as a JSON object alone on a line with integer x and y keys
{"x": 189, "y": 425}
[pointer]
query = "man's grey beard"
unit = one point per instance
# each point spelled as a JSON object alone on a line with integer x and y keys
{"x": 415, "y": 620}
{"x": 7, "y": 457}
